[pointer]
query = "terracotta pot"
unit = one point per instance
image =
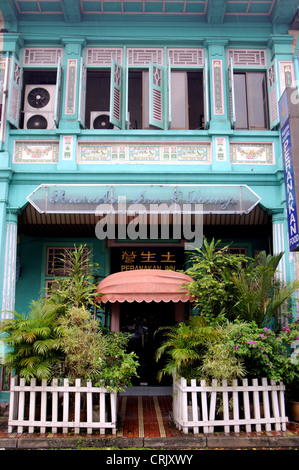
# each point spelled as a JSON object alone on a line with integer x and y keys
{"x": 294, "y": 410}
{"x": 83, "y": 416}
{"x": 261, "y": 410}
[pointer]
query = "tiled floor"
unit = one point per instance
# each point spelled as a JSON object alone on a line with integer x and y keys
{"x": 146, "y": 416}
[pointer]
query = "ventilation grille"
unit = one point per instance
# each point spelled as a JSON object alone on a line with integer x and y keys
{"x": 144, "y": 56}
{"x": 38, "y": 56}
{"x": 101, "y": 56}
{"x": 188, "y": 57}
{"x": 248, "y": 57}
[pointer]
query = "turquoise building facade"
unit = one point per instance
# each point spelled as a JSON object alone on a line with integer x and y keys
{"x": 145, "y": 100}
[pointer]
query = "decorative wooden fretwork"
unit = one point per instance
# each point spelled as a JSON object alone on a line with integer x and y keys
{"x": 248, "y": 57}
{"x": 103, "y": 56}
{"x": 186, "y": 57}
{"x": 40, "y": 56}
{"x": 144, "y": 56}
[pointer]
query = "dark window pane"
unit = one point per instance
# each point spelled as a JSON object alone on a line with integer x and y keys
{"x": 257, "y": 100}
{"x": 195, "y": 100}
{"x": 240, "y": 101}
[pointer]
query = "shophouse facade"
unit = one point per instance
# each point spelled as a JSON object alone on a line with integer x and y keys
{"x": 152, "y": 101}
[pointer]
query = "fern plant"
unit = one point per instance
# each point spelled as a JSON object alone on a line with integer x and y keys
{"x": 183, "y": 347}
{"x": 33, "y": 341}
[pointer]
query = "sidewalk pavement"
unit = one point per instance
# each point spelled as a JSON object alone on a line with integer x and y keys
{"x": 288, "y": 440}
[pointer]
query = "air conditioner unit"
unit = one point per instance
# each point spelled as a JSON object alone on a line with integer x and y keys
{"x": 101, "y": 120}
{"x": 39, "y": 120}
{"x": 39, "y": 104}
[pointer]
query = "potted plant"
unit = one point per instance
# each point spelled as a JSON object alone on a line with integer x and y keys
{"x": 293, "y": 391}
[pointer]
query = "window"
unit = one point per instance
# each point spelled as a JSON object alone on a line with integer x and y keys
{"x": 251, "y": 104}
{"x": 98, "y": 100}
{"x": 57, "y": 264}
{"x": 34, "y": 96}
{"x": 187, "y": 100}
{"x": 149, "y": 97}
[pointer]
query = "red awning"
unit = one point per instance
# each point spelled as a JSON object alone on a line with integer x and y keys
{"x": 144, "y": 285}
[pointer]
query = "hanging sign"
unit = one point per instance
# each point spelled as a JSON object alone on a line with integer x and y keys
{"x": 136, "y": 198}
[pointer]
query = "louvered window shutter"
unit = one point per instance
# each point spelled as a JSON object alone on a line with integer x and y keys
{"x": 273, "y": 95}
{"x": 232, "y": 93}
{"x": 169, "y": 95}
{"x": 116, "y": 114}
{"x": 4, "y": 70}
{"x": 82, "y": 93}
{"x": 156, "y": 117}
{"x": 14, "y": 94}
{"x": 57, "y": 93}
{"x": 206, "y": 94}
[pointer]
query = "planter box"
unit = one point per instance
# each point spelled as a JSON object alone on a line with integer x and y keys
{"x": 230, "y": 407}
{"x": 61, "y": 406}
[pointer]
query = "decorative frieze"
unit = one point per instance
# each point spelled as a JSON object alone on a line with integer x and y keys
{"x": 67, "y": 147}
{"x": 71, "y": 83}
{"x": 286, "y": 75}
{"x": 144, "y": 153}
{"x": 220, "y": 144}
{"x": 218, "y": 87}
{"x": 36, "y": 152}
{"x": 252, "y": 153}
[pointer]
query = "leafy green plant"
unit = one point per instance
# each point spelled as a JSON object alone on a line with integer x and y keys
{"x": 264, "y": 352}
{"x": 91, "y": 354}
{"x": 260, "y": 294}
{"x": 82, "y": 343}
{"x": 183, "y": 347}
{"x": 212, "y": 288}
{"x": 118, "y": 366}
{"x": 33, "y": 341}
{"x": 219, "y": 362}
{"x": 77, "y": 287}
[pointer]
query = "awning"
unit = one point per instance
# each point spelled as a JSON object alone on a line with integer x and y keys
{"x": 144, "y": 285}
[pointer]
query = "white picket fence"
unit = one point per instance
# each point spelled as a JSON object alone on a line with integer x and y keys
{"x": 254, "y": 407}
{"x": 59, "y": 406}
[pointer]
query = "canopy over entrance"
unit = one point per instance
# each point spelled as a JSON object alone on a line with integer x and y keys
{"x": 144, "y": 286}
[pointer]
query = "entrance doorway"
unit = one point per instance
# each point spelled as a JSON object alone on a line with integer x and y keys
{"x": 142, "y": 320}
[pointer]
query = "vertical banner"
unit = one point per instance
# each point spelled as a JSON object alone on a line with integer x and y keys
{"x": 289, "y": 113}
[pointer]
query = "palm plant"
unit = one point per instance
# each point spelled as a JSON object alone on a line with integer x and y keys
{"x": 184, "y": 346}
{"x": 33, "y": 341}
{"x": 259, "y": 292}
